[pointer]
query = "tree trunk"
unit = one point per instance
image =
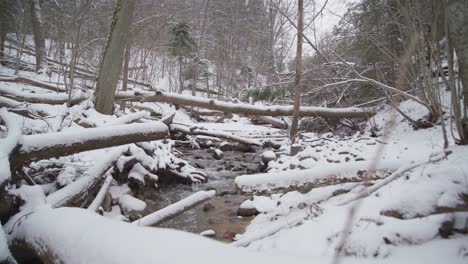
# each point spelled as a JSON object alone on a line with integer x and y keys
{"x": 38, "y": 32}
{"x": 246, "y": 109}
{"x": 125, "y": 74}
{"x": 458, "y": 36}
{"x": 111, "y": 64}
{"x": 297, "y": 80}
{"x": 181, "y": 82}
{"x": 3, "y": 34}
{"x": 59, "y": 144}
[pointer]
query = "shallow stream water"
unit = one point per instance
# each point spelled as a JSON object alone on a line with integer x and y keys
{"x": 222, "y": 214}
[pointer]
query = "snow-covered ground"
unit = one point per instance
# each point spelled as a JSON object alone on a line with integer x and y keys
{"x": 397, "y": 221}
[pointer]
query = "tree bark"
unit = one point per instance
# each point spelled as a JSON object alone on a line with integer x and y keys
{"x": 111, "y": 64}
{"x": 297, "y": 80}
{"x": 245, "y": 109}
{"x": 125, "y": 74}
{"x": 457, "y": 20}
{"x": 38, "y": 33}
{"x": 61, "y": 144}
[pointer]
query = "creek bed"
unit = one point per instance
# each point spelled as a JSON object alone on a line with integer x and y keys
{"x": 220, "y": 213}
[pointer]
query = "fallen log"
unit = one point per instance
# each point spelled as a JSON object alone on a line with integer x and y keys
{"x": 175, "y": 209}
{"x": 101, "y": 195}
{"x": 52, "y": 145}
{"x": 245, "y": 109}
{"x": 7, "y": 147}
{"x": 63, "y": 235}
{"x": 274, "y": 122}
{"x": 77, "y": 188}
{"x": 8, "y": 144}
{"x": 16, "y": 107}
{"x": 395, "y": 175}
{"x": 204, "y": 112}
{"x": 305, "y": 180}
{"x": 24, "y": 80}
{"x": 213, "y": 133}
{"x": 42, "y": 98}
{"x": 288, "y": 222}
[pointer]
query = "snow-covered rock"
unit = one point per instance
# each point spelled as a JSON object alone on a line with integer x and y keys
{"x": 129, "y": 203}
{"x": 268, "y": 156}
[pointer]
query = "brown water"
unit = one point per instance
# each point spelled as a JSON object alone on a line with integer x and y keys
{"x": 222, "y": 217}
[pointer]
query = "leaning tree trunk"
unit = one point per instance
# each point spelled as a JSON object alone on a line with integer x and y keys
{"x": 125, "y": 74}
{"x": 297, "y": 81}
{"x": 458, "y": 36}
{"x": 111, "y": 64}
{"x": 38, "y": 33}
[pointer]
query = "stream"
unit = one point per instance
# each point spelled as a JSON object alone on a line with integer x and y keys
{"x": 220, "y": 213}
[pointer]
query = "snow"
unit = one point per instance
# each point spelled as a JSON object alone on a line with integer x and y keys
{"x": 208, "y": 233}
{"x": 5, "y": 254}
{"x": 8, "y": 143}
{"x": 129, "y": 203}
{"x": 139, "y": 172}
{"x": 69, "y": 232}
{"x": 398, "y": 216}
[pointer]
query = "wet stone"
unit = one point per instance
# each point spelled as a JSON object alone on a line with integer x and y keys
{"x": 208, "y": 207}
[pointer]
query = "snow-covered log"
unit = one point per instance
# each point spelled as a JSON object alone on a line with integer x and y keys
{"x": 288, "y": 222}
{"x": 175, "y": 209}
{"x": 5, "y": 254}
{"x": 37, "y": 83}
{"x": 308, "y": 178}
{"x": 204, "y": 112}
{"x": 73, "y": 235}
{"x": 23, "y": 109}
{"x": 8, "y": 144}
{"x": 77, "y": 188}
{"x": 276, "y": 123}
{"x": 52, "y": 145}
{"x": 214, "y": 133}
{"x": 126, "y": 119}
{"x": 395, "y": 175}
{"x": 101, "y": 194}
{"x": 42, "y": 98}
{"x": 245, "y": 109}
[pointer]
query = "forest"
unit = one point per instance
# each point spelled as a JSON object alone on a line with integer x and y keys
{"x": 234, "y": 131}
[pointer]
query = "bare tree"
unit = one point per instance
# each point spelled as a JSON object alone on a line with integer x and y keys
{"x": 111, "y": 63}
{"x": 458, "y": 39}
{"x": 297, "y": 80}
{"x": 38, "y": 32}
